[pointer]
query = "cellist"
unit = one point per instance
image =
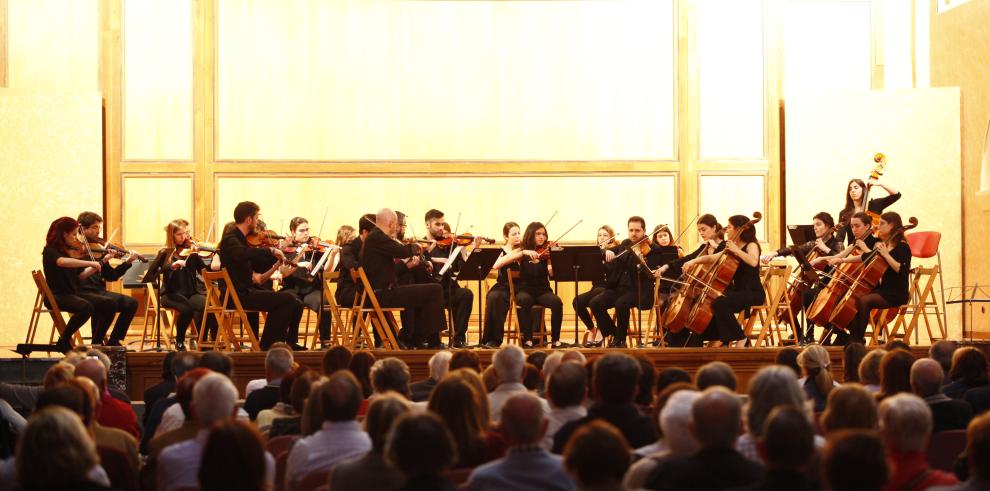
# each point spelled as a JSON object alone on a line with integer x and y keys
{"x": 892, "y": 291}
{"x": 746, "y": 289}
{"x": 712, "y": 236}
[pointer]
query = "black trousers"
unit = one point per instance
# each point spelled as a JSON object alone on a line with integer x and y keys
{"x": 724, "y": 326}
{"x": 497, "y": 308}
{"x": 282, "y": 307}
{"x": 127, "y": 306}
{"x": 581, "y": 304}
{"x": 190, "y": 309}
{"x": 460, "y": 302}
{"x": 424, "y": 306}
{"x": 83, "y": 306}
{"x": 866, "y": 303}
{"x": 623, "y": 300}
{"x": 527, "y": 324}
{"x": 312, "y": 301}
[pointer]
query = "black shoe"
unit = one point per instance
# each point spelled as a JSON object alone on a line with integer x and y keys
{"x": 436, "y": 346}
{"x": 458, "y": 344}
{"x": 594, "y": 344}
{"x": 491, "y": 345}
{"x": 297, "y": 347}
{"x": 63, "y": 345}
{"x": 559, "y": 345}
{"x": 180, "y": 346}
{"x": 618, "y": 344}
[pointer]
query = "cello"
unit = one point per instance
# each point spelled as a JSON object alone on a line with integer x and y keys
{"x": 804, "y": 277}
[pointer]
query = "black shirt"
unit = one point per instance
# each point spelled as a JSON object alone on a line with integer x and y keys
{"x": 833, "y": 243}
{"x": 677, "y": 265}
{"x": 636, "y": 427}
{"x": 60, "y": 280}
{"x": 893, "y": 285}
{"x": 98, "y": 281}
{"x": 377, "y": 258}
{"x": 184, "y": 281}
{"x": 534, "y": 277}
{"x": 876, "y": 205}
{"x": 301, "y": 282}
{"x": 349, "y": 254}
{"x": 236, "y": 257}
{"x": 503, "y": 273}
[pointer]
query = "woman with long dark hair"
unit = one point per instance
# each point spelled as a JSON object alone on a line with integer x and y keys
{"x": 606, "y": 240}
{"x": 497, "y": 299}
{"x": 856, "y": 190}
{"x": 534, "y": 287}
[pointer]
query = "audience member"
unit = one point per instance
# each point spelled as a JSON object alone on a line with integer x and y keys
{"x": 716, "y": 423}
{"x": 234, "y": 457}
{"x": 537, "y": 358}
{"x": 489, "y": 378}
{"x": 715, "y": 373}
{"x": 162, "y": 389}
{"x": 105, "y": 437}
{"x": 567, "y": 389}
{"x": 118, "y": 394}
{"x": 24, "y": 397}
{"x": 465, "y": 358}
{"x": 788, "y": 357}
{"x": 370, "y": 471}
{"x": 526, "y": 465}
{"x": 336, "y": 358}
{"x": 454, "y": 400}
{"x": 896, "y": 344}
{"x": 659, "y": 403}
{"x": 677, "y": 440}
{"x": 869, "y": 369}
{"x": 532, "y": 378}
{"x": 947, "y": 413}
{"x": 854, "y": 460}
{"x": 339, "y": 438}
{"x": 616, "y": 378}
{"x": 421, "y": 448}
{"x": 55, "y": 452}
{"x": 772, "y": 386}
{"x": 298, "y": 393}
{"x": 574, "y": 354}
{"x": 969, "y": 370}
{"x": 850, "y": 406}
{"x": 219, "y": 362}
{"x": 189, "y": 428}
{"x": 787, "y": 446}
{"x": 941, "y": 351}
{"x": 474, "y": 380}
{"x": 183, "y": 362}
{"x": 509, "y": 362}
{"x": 671, "y": 375}
{"x": 895, "y": 373}
{"x": 597, "y": 457}
{"x": 360, "y": 366}
{"x": 113, "y": 412}
{"x": 978, "y": 456}
{"x": 852, "y": 356}
{"x": 553, "y": 361}
{"x": 278, "y": 364}
{"x": 817, "y": 370}
{"x": 905, "y": 426}
{"x": 439, "y": 365}
{"x": 283, "y": 408}
{"x": 647, "y": 379}
{"x": 390, "y": 374}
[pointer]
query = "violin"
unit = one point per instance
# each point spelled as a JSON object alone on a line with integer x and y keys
{"x": 108, "y": 246}
{"x": 191, "y": 246}
{"x": 461, "y": 240}
{"x": 264, "y": 238}
{"x": 544, "y": 250}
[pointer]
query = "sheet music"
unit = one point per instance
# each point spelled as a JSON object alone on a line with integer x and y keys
{"x": 450, "y": 260}
{"x": 320, "y": 263}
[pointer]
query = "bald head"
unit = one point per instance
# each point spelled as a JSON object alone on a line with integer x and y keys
{"x": 717, "y": 418}
{"x": 94, "y": 370}
{"x": 926, "y": 377}
{"x": 385, "y": 217}
{"x": 523, "y": 421}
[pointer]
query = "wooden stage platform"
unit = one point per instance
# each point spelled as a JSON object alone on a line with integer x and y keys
{"x": 144, "y": 369}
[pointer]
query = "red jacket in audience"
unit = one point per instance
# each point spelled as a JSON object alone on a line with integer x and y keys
{"x": 118, "y": 414}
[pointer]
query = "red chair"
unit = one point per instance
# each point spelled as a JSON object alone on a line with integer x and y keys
{"x": 313, "y": 480}
{"x": 944, "y": 448}
{"x": 925, "y": 245}
{"x": 280, "y": 462}
{"x": 276, "y": 446}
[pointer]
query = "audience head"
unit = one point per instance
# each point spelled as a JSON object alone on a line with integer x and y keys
{"x": 941, "y": 351}
{"x": 390, "y": 374}
{"x": 340, "y": 397}
{"x": 567, "y": 386}
{"x": 716, "y": 418}
{"x": 439, "y": 365}
{"x": 58, "y": 373}
{"x": 854, "y": 460}
{"x": 382, "y": 413}
{"x": 532, "y": 377}
{"x": 454, "y": 400}
{"x": 574, "y": 354}
{"x": 509, "y": 362}
{"x": 926, "y": 377}
{"x": 360, "y": 366}
{"x": 895, "y": 372}
{"x": 537, "y": 358}
{"x": 523, "y": 421}
{"x": 233, "y": 458}
{"x": 54, "y": 450}
{"x": 849, "y": 406}
{"x": 285, "y": 388}
{"x": 852, "y": 356}
{"x": 869, "y": 367}
{"x": 336, "y": 358}
{"x": 896, "y": 344}
{"x": 92, "y": 403}
{"x": 217, "y": 361}
{"x": 715, "y": 373}
{"x": 420, "y": 445}
{"x": 675, "y": 421}
{"x": 671, "y": 375}
{"x": 597, "y": 455}
{"x": 969, "y": 365}
{"x": 69, "y": 396}
{"x": 788, "y": 357}
{"x": 278, "y": 363}
{"x": 978, "y": 447}
{"x": 616, "y": 378}
{"x": 788, "y": 439}
{"x": 465, "y": 358}
{"x": 312, "y": 412}
{"x": 214, "y": 399}
{"x": 183, "y": 362}
{"x": 92, "y": 369}
{"x": 905, "y": 423}
{"x": 99, "y": 355}
{"x": 184, "y": 390}
{"x": 167, "y": 365}
{"x": 490, "y": 378}
{"x": 480, "y": 393}
{"x": 772, "y": 386}
{"x": 647, "y": 378}
{"x": 817, "y": 367}
{"x": 301, "y": 388}
{"x": 551, "y": 363}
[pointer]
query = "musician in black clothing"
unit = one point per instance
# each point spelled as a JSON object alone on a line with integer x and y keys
{"x": 379, "y": 252}
{"x": 182, "y": 287}
{"x": 301, "y": 282}
{"x": 606, "y": 240}
{"x": 350, "y": 254}
{"x": 236, "y": 256}
{"x": 457, "y": 299}
{"x": 497, "y": 299}
{"x": 64, "y": 269}
{"x": 97, "y": 284}
{"x": 855, "y": 191}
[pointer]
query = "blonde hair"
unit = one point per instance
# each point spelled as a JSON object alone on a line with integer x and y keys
{"x": 345, "y": 234}
{"x": 170, "y": 230}
{"x": 815, "y": 362}
{"x": 54, "y": 450}
{"x": 58, "y": 373}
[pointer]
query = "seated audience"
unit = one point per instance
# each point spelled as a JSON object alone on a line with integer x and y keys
{"x": 339, "y": 438}
{"x": 360, "y": 366}
{"x": 454, "y": 400}
{"x": 118, "y": 394}
{"x": 370, "y": 471}
{"x": 597, "y": 457}
{"x": 465, "y": 358}
{"x": 421, "y": 448}
{"x": 676, "y": 440}
{"x": 969, "y": 370}
{"x": 283, "y": 408}
{"x": 162, "y": 389}
{"x": 509, "y": 362}
{"x": 895, "y": 373}
{"x": 55, "y": 452}
{"x": 869, "y": 369}
{"x": 771, "y": 387}
{"x": 439, "y": 365}
{"x": 854, "y": 460}
{"x": 671, "y": 375}
{"x": 183, "y": 362}
{"x": 788, "y": 357}
{"x": 947, "y": 413}
{"x": 661, "y": 401}
{"x": 189, "y": 428}
{"x": 787, "y": 446}
{"x": 234, "y": 457}
{"x": 574, "y": 354}
{"x": 817, "y": 370}
{"x": 849, "y": 406}
{"x": 942, "y": 351}
{"x": 336, "y": 358}
{"x": 526, "y": 465}
{"x": 290, "y": 422}
{"x": 532, "y": 378}
{"x": 716, "y": 422}
{"x": 978, "y": 457}
{"x": 278, "y": 364}
{"x": 616, "y": 379}
{"x": 114, "y": 413}
{"x": 553, "y": 361}
{"x": 567, "y": 389}
{"x": 852, "y": 356}
{"x": 537, "y": 358}
{"x": 105, "y": 437}
{"x": 715, "y": 373}
{"x": 647, "y": 379}
{"x": 905, "y": 426}
{"x": 219, "y": 362}
{"x": 389, "y": 374}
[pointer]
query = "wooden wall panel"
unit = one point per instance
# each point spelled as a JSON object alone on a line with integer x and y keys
{"x": 149, "y": 202}
{"x": 724, "y": 195}
{"x": 157, "y": 87}
{"x": 54, "y": 44}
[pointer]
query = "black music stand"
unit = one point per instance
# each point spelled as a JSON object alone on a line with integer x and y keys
{"x": 577, "y": 263}
{"x": 156, "y": 269}
{"x": 476, "y": 268}
{"x": 801, "y": 234}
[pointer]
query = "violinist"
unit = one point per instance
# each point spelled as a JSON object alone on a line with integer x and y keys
{"x": 892, "y": 291}
{"x": 417, "y": 269}
{"x": 606, "y": 240}
{"x": 629, "y": 287}
{"x": 378, "y": 254}
{"x": 497, "y": 300}
{"x": 350, "y": 254}
{"x": 856, "y": 190}
{"x": 457, "y": 299}
{"x": 746, "y": 289}
{"x": 236, "y": 256}
{"x": 345, "y": 234}
{"x": 182, "y": 287}
{"x": 65, "y": 263}
{"x": 126, "y": 305}
{"x": 305, "y": 286}
{"x": 534, "y": 287}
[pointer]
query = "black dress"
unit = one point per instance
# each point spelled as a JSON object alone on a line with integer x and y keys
{"x": 745, "y": 291}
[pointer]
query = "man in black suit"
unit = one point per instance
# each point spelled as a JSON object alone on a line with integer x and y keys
{"x": 716, "y": 424}
{"x": 278, "y": 364}
{"x": 947, "y": 413}
{"x": 349, "y": 261}
{"x": 379, "y": 253}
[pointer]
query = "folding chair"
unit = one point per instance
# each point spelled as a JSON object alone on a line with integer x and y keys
{"x": 217, "y": 307}
{"x": 774, "y": 311}
{"x": 167, "y": 321}
{"x": 338, "y": 333}
{"x": 512, "y": 330}
{"x": 376, "y": 315}
{"x": 44, "y": 302}
{"x": 653, "y": 319}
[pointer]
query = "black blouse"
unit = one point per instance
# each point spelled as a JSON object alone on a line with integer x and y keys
{"x": 185, "y": 281}
{"x": 60, "y": 280}
{"x": 534, "y": 277}
{"x": 893, "y": 285}
{"x": 876, "y": 205}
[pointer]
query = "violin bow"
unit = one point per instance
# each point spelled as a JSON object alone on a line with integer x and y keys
{"x": 567, "y": 231}
{"x": 685, "y": 229}
{"x": 551, "y": 218}
{"x": 209, "y": 231}
{"x": 324, "y": 222}
{"x": 457, "y": 224}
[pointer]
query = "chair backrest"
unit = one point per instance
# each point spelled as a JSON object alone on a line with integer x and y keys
{"x": 382, "y": 325}
{"x": 924, "y": 244}
{"x": 280, "y": 462}
{"x": 944, "y": 447}
{"x": 42, "y": 284}
{"x": 313, "y": 480}
{"x": 458, "y": 476}
{"x": 217, "y": 306}
{"x": 281, "y": 443}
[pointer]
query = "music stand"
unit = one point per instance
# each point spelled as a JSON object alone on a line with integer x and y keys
{"x": 801, "y": 234}
{"x": 577, "y": 263}
{"x": 476, "y": 268}
{"x": 156, "y": 269}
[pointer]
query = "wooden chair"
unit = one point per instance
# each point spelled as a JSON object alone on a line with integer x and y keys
{"x": 167, "y": 322}
{"x": 217, "y": 306}
{"x": 44, "y": 302}
{"x": 654, "y": 319}
{"x": 774, "y": 312}
{"x": 338, "y": 331}
{"x": 512, "y": 330}
{"x": 922, "y": 304}
{"x": 375, "y": 315}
